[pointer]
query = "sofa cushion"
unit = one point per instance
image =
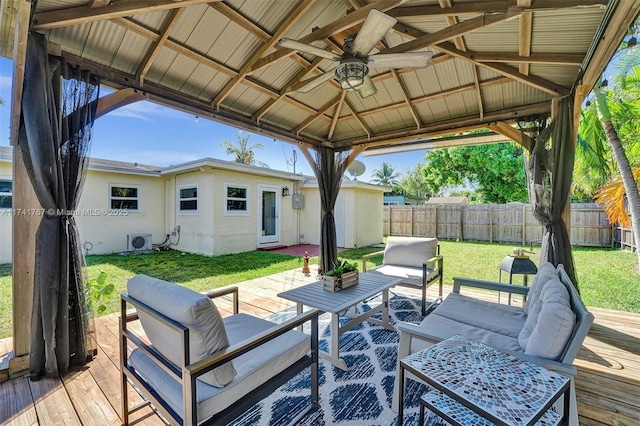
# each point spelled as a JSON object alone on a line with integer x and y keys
{"x": 408, "y": 274}
{"x": 550, "y": 322}
{"x": 207, "y": 334}
{"x": 546, "y": 272}
{"x": 409, "y": 251}
{"x": 253, "y": 368}
{"x": 501, "y": 319}
{"x": 442, "y": 328}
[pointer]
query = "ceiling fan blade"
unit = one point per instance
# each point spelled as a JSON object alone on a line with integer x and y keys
{"x": 400, "y": 60}
{"x": 307, "y": 48}
{"x": 368, "y": 88}
{"x": 376, "y": 26}
{"x": 310, "y": 84}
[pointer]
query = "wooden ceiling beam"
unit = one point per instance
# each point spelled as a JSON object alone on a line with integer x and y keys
{"x": 98, "y": 3}
{"x": 563, "y": 58}
{"x": 478, "y": 91}
{"x": 508, "y": 71}
{"x": 169, "y": 24}
{"x": 283, "y": 28}
{"x": 524, "y": 39}
{"x": 317, "y": 115}
{"x": 336, "y": 115}
{"x": 241, "y": 20}
{"x": 337, "y": 26}
{"x": 357, "y": 117}
{"x": 512, "y": 133}
{"x": 451, "y": 32}
{"x": 121, "y": 8}
{"x": 118, "y": 99}
{"x": 439, "y": 95}
{"x": 452, "y": 20}
{"x": 406, "y": 98}
{"x": 459, "y": 124}
{"x": 477, "y": 7}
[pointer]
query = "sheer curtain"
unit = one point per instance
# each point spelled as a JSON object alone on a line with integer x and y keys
{"x": 329, "y": 168}
{"x": 549, "y": 176}
{"x": 58, "y": 110}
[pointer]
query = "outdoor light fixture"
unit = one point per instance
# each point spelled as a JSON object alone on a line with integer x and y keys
{"x": 285, "y": 191}
{"x": 351, "y": 73}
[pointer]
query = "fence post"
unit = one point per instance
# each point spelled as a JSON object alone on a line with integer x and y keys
{"x": 490, "y": 224}
{"x": 411, "y": 223}
{"x": 460, "y": 229}
{"x": 435, "y": 222}
{"x": 524, "y": 224}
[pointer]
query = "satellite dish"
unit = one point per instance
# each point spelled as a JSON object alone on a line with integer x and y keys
{"x": 356, "y": 168}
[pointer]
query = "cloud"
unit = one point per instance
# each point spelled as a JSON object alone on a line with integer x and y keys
{"x": 154, "y": 158}
{"x": 5, "y": 82}
{"x": 148, "y": 111}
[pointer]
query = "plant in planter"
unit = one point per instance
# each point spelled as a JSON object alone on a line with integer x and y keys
{"x": 342, "y": 276}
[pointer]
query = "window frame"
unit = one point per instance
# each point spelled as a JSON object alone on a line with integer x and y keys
{"x": 179, "y": 199}
{"x": 125, "y": 185}
{"x": 246, "y": 199}
{"x": 7, "y": 194}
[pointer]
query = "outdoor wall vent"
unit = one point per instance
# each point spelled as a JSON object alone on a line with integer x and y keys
{"x": 138, "y": 242}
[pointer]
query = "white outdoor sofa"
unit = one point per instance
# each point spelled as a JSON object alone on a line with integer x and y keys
{"x": 200, "y": 368}
{"x": 416, "y": 260}
{"x": 548, "y": 330}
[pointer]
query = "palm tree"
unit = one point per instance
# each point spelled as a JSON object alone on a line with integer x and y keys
{"x": 243, "y": 152}
{"x": 386, "y": 175}
{"x": 625, "y": 97}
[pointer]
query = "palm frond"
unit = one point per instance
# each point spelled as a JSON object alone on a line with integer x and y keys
{"x": 612, "y": 196}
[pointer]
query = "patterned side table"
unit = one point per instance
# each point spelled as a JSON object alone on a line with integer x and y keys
{"x": 473, "y": 381}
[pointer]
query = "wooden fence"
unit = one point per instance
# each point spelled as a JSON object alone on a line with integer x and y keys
{"x": 507, "y": 223}
{"x": 626, "y": 239}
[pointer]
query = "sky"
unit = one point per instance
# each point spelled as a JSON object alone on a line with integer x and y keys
{"x": 148, "y": 133}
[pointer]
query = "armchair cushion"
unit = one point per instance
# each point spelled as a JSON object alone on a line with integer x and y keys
{"x": 253, "y": 368}
{"x": 408, "y": 274}
{"x": 409, "y": 251}
{"x": 546, "y": 272}
{"x": 503, "y": 319}
{"x": 191, "y": 309}
{"x": 550, "y": 322}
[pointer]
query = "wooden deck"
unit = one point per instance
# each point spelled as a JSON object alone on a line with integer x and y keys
{"x": 608, "y": 382}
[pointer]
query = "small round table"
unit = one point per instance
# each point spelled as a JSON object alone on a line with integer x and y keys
{"x": 518, "y": 266}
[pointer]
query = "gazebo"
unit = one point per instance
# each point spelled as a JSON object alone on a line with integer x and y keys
{"x": 497, "y": 65}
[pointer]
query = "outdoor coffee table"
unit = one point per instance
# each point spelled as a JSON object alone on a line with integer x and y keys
{"x": 314, "y": 296}
{"x": 479, "y": 385}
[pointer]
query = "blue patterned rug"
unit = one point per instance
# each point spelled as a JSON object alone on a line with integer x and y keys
{"x": 360, "y": 396}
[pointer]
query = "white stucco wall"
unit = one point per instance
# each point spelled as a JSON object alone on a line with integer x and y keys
{"x": 5, "y": 219}
{"x": 107, "y": 230}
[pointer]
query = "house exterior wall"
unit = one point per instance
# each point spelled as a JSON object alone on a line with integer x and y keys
{"x": 105, "y": 229}
{"x": 6, "y": 226}
{"x": 363, "y": 216}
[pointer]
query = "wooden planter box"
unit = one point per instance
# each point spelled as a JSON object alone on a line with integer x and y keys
{"x": 347, "y": 280}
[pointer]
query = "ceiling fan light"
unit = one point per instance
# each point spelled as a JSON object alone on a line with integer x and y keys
{"x": 351, "y": 74}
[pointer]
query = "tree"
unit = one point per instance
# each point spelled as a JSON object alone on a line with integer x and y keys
{"x": 413, "y": 182}
{"x": 243, "y": 152}
{"x": 496, "y": 169}
{"x": 618, "y": 110}
{"x": 386, "y": 175}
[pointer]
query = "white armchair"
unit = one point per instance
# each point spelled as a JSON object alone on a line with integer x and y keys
{"x": 417, "y": 261}
{"x": 200, "y": 368}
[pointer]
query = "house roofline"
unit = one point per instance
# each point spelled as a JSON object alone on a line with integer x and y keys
{"x": 230, "y": 166}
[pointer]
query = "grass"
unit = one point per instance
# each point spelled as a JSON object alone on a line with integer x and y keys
{"x": 606, "y": 278}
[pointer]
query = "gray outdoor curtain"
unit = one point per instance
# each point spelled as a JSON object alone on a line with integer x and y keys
{"x": 58, "y": 110}
{"x": 329, "y": 168}
{"x": 549, "y": 176}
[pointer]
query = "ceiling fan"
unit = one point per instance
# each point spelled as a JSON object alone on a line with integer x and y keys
{"x": 352, "y": 71}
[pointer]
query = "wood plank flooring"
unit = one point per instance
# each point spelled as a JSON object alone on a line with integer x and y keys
{"x": 608, "y": 380}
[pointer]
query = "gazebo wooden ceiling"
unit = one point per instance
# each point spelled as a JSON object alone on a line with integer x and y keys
{"x": 495, "y": 61}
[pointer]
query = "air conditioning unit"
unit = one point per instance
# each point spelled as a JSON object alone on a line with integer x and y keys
{"x": 138, "y": 242}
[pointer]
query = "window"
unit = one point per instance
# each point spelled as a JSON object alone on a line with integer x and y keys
{"x": 237, "y": 199}
{"x": 188, "y": 199}
{"x": 124, "y": 197}
{"x": 6, "y": 193}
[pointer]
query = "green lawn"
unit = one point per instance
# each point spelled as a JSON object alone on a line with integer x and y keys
{"x": 607, "y": 278}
